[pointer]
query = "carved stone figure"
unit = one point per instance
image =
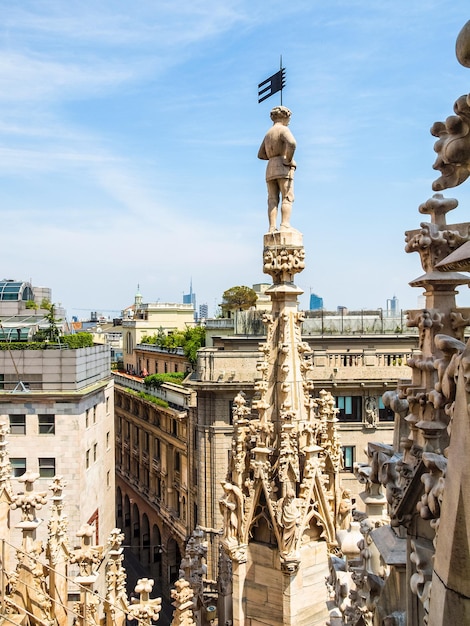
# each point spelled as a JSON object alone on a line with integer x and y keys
{"x": 278, "y": 149}
{"x": 231, "y": 507}
{"x": 345, "y": 510}
{"x": 372, "y": 413}
{"x": 288, "y": 517}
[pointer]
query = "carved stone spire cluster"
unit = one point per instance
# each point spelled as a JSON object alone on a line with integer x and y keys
{"x": 36, "y": 591}
{"x": 279, "y": 485}
{"x": 424, "y": 476}
{"x": 282, "y": 490}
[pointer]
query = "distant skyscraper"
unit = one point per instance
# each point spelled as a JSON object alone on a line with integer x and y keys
{"x": 203, "y": 311}
{"x": 316, "y": 303}
{"x": 392, "y": 306}
{"x": 190, "y": 298}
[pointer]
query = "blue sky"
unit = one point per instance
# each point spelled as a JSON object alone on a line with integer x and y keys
{"x": 129, "y": 134}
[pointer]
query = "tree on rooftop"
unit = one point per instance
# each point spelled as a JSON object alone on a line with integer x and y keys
{"x": 239, "y": 298}
{"x": 52, "y": 332}
{"x": 194, "y": 338}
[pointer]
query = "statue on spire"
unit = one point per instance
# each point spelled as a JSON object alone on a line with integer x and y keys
{"x": 278, "y": 149}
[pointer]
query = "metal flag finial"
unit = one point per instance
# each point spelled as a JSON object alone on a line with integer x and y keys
{"x": 272, "y": 85}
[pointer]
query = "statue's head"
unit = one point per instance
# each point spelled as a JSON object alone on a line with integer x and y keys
{"x": 281, "y": 114}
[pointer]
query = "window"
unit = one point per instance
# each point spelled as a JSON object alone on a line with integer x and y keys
{"x": 46, "y": 424}
{"x": 129, "y": 343}
{"x": 350, "y": 408}
{"x": 18, "y": 424}
{"x": 95, "y": 452}
{"x": 385, "y": 413}
{"x": 18, "y": 467}
{"x": 349, "y": 455}
{"x": 46, "y": 467}
{"x": 87, "y": 459}
{"x": 107, "y": 440}
{"x": 94, "y": 415}
{"x": 108, "y": 478}
{"x": 178, "y": 503}
{"x": 107, "y": 405}
{"x": 177, "y": 461}
{"x": 2, "y": 381}
{"x": 87, "y": 418}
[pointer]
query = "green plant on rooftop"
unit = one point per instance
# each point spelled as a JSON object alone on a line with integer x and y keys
{"x": 154, "y": 381}
{"x": 52, "y": 332}
{"x": 79, "y": 340}
{"x": 149, "y": 398}
{"x": 30, "y": 304}
{"x": 190, "y": 340}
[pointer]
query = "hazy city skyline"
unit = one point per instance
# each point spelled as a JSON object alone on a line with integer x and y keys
{"x": 130, "y": 134}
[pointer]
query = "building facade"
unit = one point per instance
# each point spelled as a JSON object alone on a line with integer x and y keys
{"x": 59, "y": 406}
{"x": 156, "y": 491}
{"x": 149, "y": 319}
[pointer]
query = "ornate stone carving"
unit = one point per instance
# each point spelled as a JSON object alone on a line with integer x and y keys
{"x": 421, "y": 556}
{"x": 144, "y": 609}
{"x": 284, "y": 261}
{"x": 182, "y": 596}
{"x": 453, "y": 146}
{"x": 29, "y": 501}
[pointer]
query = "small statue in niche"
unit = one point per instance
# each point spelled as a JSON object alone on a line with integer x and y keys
{"x": 288, "y": 517}
{"x": 231, "y": 507}
{"x": 372, "y": 414}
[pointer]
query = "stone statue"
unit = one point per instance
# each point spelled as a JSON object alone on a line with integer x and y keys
{"x": 288, "y": 518}
{"x": 345, "y": 510}
{"x": 231, "y": 507}
{"x": 278, "y": 149}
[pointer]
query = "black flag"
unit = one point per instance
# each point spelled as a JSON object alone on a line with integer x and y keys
{"x": 272, "y": 85}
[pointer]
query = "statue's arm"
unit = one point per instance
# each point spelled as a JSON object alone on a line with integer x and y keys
{"x": 290, "y": 146}
{"x": 262, "y": 153}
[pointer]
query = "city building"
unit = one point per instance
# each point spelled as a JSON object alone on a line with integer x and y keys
{"x": 151, "y": 359}
{"x": 149, "y": 319}
{"x": 156, "y": 485}
{"x": 316, "y": 302}
{"x": 203, "y": 311}
{"x": 190, "y": 298}
{"x": 22, "y": 310}
{"x": 58, "y": 403}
